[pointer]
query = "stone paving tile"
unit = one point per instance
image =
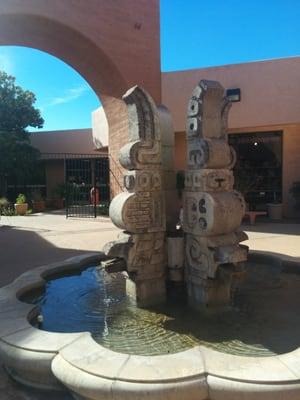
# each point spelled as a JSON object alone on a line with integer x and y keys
{"x": 11, "y": 390}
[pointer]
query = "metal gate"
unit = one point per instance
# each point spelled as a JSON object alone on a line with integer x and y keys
{"x": 87, "y": 185}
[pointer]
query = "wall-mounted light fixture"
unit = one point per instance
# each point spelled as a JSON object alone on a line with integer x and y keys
{"x": 234, "y": 94}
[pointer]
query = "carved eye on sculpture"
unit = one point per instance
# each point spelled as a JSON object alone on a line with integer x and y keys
{"x": 193, "y": 107}
{"x": 202, "y": 223}
{"x": 129, "y": 182}
{"x": 196, "y": 157}
{"x": 202, "y": 207}
{"x": 192, "y": 126}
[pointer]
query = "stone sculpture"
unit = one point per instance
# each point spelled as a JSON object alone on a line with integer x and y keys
{"x": 212, "y": 209}
{"x": 140, "y": 211}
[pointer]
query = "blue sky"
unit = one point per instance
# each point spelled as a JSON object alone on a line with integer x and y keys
{"x": 194, "y": 34}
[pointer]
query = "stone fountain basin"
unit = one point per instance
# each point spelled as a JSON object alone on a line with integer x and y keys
{"x": 75, "y": 362}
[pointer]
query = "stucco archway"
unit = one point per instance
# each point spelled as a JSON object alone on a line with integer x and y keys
{"x": 67, "y": 44}
{"x": 113, "y": 45}
{"x": 73, "y": 48}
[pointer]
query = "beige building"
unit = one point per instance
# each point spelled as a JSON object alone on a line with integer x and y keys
{"x": 59, "y": 149}
{"x": 269, "y": 105}
{"x": 265, "y": 124}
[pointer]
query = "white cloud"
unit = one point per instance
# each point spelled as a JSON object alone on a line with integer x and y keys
{"x": 6, "y": 63}
{"x": 69, "y": 95}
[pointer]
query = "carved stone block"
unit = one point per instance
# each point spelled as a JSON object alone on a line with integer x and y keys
{"x": 147, "y": 250}
{"x": 209, "y": 153}
{"x": 140, "y": 181}
{"x": 212, "y": 211}
{"x": 147, "y": 292}
{"x": 208, "y": 111}
{"x": 209, "y": 213}
{"x": 209, "y": 293}
{"x": 138, "y": 212}
{"x": 210, "y": 180}
{"x": 135, "y": 155}
{"x": 141, "y": 210}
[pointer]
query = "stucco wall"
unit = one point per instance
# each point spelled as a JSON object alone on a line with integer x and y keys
{"x": 270, "y": 92}
{"x": 73, "y": 141}
{"x": 290, "y": 158}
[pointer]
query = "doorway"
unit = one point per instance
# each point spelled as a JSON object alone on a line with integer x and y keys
{"x": 258, "y": 169}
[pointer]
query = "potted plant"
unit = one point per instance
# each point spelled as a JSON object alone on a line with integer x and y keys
{"x": 275, "y": 208}
{"x": 21, "y": 206}
{"x": 38, "y": 203}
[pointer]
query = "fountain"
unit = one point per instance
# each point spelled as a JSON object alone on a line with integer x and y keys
{"x": 128, "y": 335}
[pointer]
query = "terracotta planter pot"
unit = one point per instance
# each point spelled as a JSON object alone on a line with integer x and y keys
{"x": 21, "y": 209}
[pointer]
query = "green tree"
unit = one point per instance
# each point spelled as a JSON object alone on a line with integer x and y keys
{"x": 17, "y": 157}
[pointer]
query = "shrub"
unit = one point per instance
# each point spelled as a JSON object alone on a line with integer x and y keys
{"x": 6, "y": 208}
{"x": 3, "y": 202}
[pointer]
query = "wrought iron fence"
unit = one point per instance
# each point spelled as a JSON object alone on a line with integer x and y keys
{"x": 87, "y": 185}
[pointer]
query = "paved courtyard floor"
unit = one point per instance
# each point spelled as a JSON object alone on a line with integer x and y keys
{"x": 33, "y": 240}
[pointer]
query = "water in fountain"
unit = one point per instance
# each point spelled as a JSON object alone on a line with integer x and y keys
{"x": 263, "y": 320}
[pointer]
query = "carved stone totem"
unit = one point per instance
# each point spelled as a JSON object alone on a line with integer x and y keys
{"x": 213, "y": 211}
{"x": 140, "y": 211}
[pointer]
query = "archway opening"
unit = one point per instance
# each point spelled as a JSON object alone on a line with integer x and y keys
{"x": 71, "y": 160}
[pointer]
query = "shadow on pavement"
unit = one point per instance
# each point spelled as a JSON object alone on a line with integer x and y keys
{"x": 22, "y": 250}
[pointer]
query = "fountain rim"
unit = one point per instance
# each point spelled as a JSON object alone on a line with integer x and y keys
{"x": 51, "y": 360}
